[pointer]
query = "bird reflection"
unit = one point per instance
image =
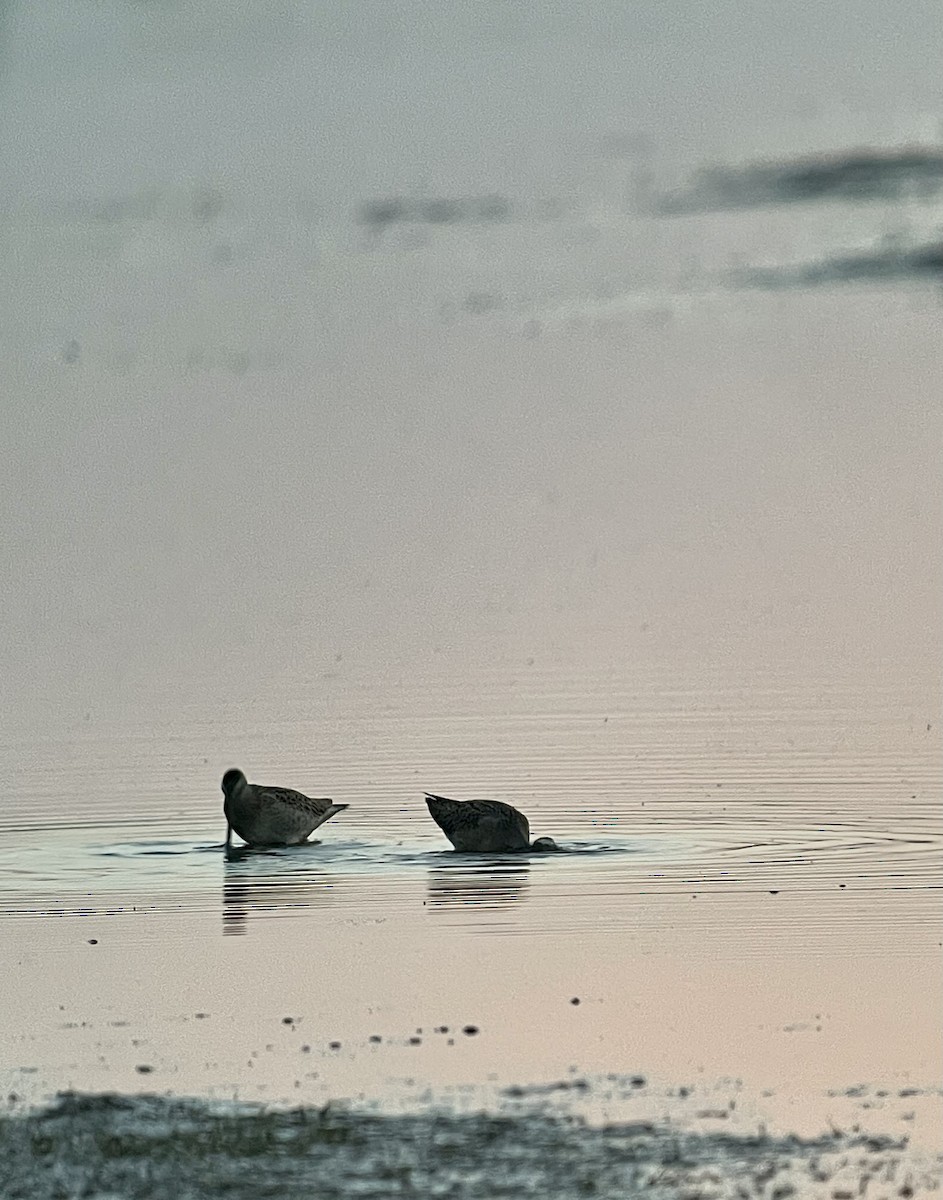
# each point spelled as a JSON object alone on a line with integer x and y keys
{"x": 258, "y": 883}
{"x": 491, "y": 884}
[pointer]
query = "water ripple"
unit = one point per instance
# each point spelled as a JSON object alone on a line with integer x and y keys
{"x": 592, "y": 884}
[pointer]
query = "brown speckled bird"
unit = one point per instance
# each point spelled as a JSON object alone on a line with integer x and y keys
{"x": 271, "y": 816}
{"x": 484, "y": 826}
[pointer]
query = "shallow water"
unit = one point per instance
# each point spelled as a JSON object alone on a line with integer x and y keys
{"x": 481, "y": 404}
{"x": 725, "y": 908}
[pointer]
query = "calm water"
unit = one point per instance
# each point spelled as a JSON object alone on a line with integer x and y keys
{"x": 400, "y": 401}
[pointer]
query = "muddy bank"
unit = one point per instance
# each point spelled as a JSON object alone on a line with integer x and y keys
{"x": 109, "y": 1145}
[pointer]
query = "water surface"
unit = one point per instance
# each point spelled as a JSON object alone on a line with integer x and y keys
{"x": 494, "y": 403}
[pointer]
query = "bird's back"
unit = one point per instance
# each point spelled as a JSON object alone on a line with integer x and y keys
{"x": 272, "y": 816}
{"x": 480, "y": 826}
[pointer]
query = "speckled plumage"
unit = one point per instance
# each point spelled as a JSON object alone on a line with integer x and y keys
{"x": 482, "y": 826}
{"x": 271, "y": 816}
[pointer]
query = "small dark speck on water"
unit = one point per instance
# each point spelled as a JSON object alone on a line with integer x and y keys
{"x": 575, "y": 1000}
{"x": 143, "y": 1069}
{"x": 441, "y": 1028}
{"x": 470, "y": 1030}
{"x": 334, "y": 1045}
{"x": 774, "y": 891}
{"x": 93, "y": 941}
{"x": 375, "y": 1037}
{"x": 638, "y": 1081}
{"x": 415, "y": 1041}
{"x": 288, "y": 1020}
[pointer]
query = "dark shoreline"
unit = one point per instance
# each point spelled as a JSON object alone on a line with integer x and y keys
{"x": 151, "y": 1146}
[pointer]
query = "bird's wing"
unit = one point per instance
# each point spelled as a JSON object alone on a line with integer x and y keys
{"x": 292, "y": 799}
{"x": 499, "y": 815}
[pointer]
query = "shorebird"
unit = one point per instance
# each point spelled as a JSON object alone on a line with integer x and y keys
{"x": 484, "y": 826}
{"x": 271, "y": 816}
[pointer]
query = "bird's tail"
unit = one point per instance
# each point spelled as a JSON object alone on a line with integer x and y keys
{"x": 440, "y": 807}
